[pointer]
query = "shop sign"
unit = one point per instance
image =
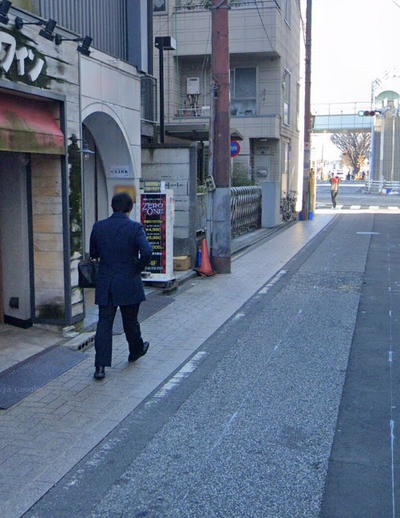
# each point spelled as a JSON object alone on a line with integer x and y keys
{"x": 154, "y": 220}
{"x": 29, "y": 64}
{"x": 120, "y": 171}
{"x": 152, "y": 186}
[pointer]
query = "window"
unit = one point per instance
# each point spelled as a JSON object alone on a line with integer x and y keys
{"x": 159, "y": 6}
{"x": 288, "y": 11}
{"x": 285, "y": 166}
{"x": 243, "y": 91}
{"x": 286, "y": 98}
{"x": 298, "y": 89}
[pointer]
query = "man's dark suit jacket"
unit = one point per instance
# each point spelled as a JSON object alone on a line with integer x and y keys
{"x": 124, "y": 251}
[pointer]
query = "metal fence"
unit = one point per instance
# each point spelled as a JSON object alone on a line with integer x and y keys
{"x": 382, "y": 186}
{"x": 245, "y": 210}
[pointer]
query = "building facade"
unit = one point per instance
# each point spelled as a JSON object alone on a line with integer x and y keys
{"x": 70, "y": 137}
{"x": 384, "y": 165}
{"x": 266, "y": 42}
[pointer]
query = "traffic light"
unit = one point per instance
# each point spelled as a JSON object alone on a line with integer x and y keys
{"x": 368, "y": 113}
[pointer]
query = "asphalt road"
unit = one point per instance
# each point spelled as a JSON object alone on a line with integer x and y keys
{"x": 262, "y": 427}
{"x": 354, "y": 193}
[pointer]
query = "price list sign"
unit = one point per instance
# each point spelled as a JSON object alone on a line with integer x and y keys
{"x": 153, "y": 212}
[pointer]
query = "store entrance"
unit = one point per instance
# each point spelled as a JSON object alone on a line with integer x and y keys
{"x": 15, "y": 285}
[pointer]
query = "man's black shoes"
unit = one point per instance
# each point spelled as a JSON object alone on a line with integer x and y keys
{"x": 99, "y": 373}
{"x": 134, "y": 357}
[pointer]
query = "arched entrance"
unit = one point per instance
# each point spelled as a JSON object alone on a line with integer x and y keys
{"x": 111, "y": 167}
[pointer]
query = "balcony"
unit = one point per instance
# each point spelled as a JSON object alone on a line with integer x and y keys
{"x": 148, "y": 99}
{"x": 148, "y": 86}
{"x": 254, "y": 27}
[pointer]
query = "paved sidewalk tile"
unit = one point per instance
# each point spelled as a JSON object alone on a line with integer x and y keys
{"x": 49, "y": 431}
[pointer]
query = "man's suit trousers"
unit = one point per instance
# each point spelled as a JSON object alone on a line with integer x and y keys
{"x": 104, "y": 332}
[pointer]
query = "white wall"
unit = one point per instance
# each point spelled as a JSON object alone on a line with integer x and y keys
{"x": 111, "y": 109}
{"x": 177, "y": 167}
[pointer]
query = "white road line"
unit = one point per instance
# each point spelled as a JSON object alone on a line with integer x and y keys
{"x": 183, "y": 373}
{"x": 355, "y": 207}
{"x": 273, "y": 281}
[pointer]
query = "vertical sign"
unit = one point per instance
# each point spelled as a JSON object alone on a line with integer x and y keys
{"x": 154, "y": 220}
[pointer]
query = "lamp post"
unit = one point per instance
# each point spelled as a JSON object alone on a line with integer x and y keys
{"x": 163, "y": 43}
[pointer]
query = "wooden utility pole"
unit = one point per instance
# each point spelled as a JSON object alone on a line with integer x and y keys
{"x": 220, "y": 143}
{"x": 307, "y": 118}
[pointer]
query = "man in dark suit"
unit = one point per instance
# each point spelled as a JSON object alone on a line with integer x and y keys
{"x": 123, "y": 249}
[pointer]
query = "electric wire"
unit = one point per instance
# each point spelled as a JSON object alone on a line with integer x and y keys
{"x": 262, "y": 23}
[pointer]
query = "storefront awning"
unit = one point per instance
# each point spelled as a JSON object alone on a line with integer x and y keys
{"x": 196, "y": 131}
{"x": 29, "y": 126}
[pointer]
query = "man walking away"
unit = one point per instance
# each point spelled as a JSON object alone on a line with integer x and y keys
{"x": 334, "y": 181}
{"x": 124, "y": 251}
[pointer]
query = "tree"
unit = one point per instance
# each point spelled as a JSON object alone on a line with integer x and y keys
{"x": 354, "y": 148}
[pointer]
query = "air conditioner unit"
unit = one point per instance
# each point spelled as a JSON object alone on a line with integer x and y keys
{"x": 193, "y": 85}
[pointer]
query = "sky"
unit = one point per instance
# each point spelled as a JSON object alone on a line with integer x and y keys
{"x": 353, "y": 43}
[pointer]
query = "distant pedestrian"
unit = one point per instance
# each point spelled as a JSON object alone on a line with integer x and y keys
{"x": 334, "y": 181}
{"x": 123, "y": 249}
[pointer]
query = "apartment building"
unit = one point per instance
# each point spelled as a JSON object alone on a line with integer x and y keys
{"x": 266, "y": 39}
{"x": 72, "y": 118}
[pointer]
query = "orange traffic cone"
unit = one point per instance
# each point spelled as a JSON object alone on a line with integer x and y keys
{"x": 205, "y": 268}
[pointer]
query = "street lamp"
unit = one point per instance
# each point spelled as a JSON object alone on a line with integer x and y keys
{"x": 163, "y": 43}
{"x": 86, "y": 152}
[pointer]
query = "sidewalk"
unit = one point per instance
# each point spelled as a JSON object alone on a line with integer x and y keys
{"x": 43, "y": 436}
{"x": 20, "y": 345}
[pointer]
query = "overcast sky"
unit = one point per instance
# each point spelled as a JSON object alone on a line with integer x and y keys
{"x": 353, "y": 43}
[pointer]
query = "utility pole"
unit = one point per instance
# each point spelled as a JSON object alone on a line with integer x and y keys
{"x": 220, "y": 138}
{"x": 307, "y": 118}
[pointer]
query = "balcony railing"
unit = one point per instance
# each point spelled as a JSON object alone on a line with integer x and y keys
{"x": 190, "y": 5}
{"x": 237, "y": 109}
{"x": 149, "y": 98}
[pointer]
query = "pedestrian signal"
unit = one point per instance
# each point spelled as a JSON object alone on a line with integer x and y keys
{"x": 368, "y": 113}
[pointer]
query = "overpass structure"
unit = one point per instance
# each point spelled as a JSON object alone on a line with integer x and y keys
{"x": 341, "y": 117}
{"x": 342, "y": 123}
{"x": 385, "y": 128}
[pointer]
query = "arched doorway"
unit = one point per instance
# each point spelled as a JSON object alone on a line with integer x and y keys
{"x": 110, "y": 167}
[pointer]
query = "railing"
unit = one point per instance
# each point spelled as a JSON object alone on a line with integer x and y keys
{"x": 189, "y": 5}
{"x": 382, "y": 186}
{"x": 148, "y": 98}
{"x": 245, "y": 210}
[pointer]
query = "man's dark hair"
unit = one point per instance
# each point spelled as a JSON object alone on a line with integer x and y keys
{"x": 121, "y": 202}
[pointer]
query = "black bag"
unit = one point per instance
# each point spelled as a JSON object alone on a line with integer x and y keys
{"x": 87, "y": 271}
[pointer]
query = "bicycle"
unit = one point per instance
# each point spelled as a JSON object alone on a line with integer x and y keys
{"x": 288, "y": 204}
